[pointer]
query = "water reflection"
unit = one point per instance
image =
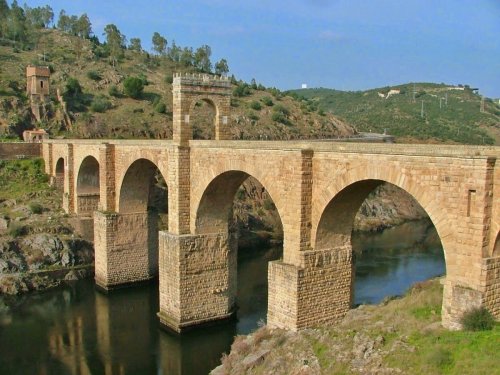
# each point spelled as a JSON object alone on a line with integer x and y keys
{"x": 387, "y": 263}
{"x": 74, "y": 330}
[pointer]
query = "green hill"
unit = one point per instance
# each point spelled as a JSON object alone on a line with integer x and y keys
{"x": 450, "y": 114}
{"x": 99, "y": 107}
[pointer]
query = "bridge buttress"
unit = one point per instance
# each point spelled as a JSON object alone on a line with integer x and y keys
{"x": 69, "y": 182}
{"x": 107, "y": 185}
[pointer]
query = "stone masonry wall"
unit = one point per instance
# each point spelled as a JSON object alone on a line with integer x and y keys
{"x": 197, "y": 278}
{"x": 491, "y": 272}
{"x": 20, "y": 150}
{"x": 125, "y": 248}
{"x": 319, "y": 293}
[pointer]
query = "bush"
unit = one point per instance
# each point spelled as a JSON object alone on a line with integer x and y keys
{"x": 93, "y": 75}
{"x": 17, "y": 230}
{"x": 113, "y": 91}
{"x": 160, "y": 107}
{"x": 267, "y": 101}
{"x": 241, "y": 90}
{"x": 35, "y": 208}
{"x": 252, "y": 116}
{"x": 133, "y": 87}
{"x": 169, "y": 79}
{"x": 477, "y": 319}
{"x": 255, "y": 105}
{"x": 100, "y": 104}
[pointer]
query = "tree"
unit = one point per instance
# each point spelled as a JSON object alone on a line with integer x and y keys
{"x": 202, "y": 58}
{"x": 221, "y": 67}
{"x": 135, "y": 45}
{"x": 133, "y": 87}
{"x": 115, "y": 41}
{"x": 39, "y": 17}
{"x": 64, "y": 21}
{"x": 159, "y": 43}
{"x": 16, "y": 23}
{"x": 83, "y": 27}
{"x": 4, "y": 15}
{"x": 186, "y": 57}
{"x": 174, "y": 52}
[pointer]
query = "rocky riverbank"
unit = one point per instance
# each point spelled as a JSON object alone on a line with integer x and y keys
{"x": 399, "y": 336}
{"x": 38, "y": 247}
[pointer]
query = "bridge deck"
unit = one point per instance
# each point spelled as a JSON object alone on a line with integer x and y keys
{"x": 466, "y": 151}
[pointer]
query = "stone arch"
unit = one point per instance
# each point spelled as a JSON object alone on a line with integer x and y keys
{"x": 191, "y": 88}
{"x": 136, "y": 185}
{"x": 59, "y": 174}
{"x": 194, "y": 114}
{"x": 214, "y": 207}
{"x": 88, "y": 187}
{"x": 337, "y": 219}
{"x": 496, "y": 246}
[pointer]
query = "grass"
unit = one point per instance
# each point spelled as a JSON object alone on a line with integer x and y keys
{"x": 21, "y": 177}
{"x": 403, "y": 334}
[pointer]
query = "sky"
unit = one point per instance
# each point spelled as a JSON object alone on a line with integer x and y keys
{"x": 340, "y": 44}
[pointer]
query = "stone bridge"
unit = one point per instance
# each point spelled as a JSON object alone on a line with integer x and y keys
{"x": 317, "y": 188}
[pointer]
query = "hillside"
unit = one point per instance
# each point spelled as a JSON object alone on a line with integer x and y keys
{"x": 450, "y": 114}
{"x": 100, "y": 109}
{"x": 399, "y": 336}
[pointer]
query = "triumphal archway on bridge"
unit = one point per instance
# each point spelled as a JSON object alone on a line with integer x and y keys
{"x": 317, "y": 188}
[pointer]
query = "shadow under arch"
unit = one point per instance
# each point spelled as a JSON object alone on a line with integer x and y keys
{"x": 88, "y": 187}
{"x": 496, "y": 246}
{"x": 132, "y": 255}
{"x": 215, "y": 207}
{"x": 59, "y": 175}
{"x": 214, "y": 216}
{"x": 137, "y": 189}
{"x": 336, "y": 223}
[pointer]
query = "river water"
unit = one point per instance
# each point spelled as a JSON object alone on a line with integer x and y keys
{"x": 76, "y": 330}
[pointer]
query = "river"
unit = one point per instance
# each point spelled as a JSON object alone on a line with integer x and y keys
{"x": 76, "y": 330}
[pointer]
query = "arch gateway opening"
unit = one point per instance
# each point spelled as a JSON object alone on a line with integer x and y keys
{"x": 130, "y": 254}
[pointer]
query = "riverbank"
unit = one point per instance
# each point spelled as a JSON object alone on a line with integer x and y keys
{"x": 398, "y": 336}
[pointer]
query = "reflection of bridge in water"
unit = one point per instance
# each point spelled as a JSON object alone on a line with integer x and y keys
{"x": 317, "y": 188}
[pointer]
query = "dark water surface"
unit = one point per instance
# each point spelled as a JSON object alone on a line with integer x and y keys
{"x": 76, "y": 330}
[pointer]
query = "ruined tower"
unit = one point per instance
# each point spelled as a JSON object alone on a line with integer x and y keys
{"x": 37, "y": 88}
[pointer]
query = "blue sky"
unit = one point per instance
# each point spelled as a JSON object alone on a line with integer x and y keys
{"x": 341, "y": 44}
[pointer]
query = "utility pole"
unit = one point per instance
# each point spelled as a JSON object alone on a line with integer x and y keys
{"x": 446, "y": 98}
{"x": 440, "y": 99}
{"x": 414, "y": 92}
{"x": 481, "y": 107}
{"x": 422, "y": 110}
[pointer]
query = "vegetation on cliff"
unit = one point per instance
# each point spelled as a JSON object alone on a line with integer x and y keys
{"x": 415, "y": 112}
{"x": 36, "y": 238}
{"x": 399, "y": 336}
{"x": 117, "y": 90}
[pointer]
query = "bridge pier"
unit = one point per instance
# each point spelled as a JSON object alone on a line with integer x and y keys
{"x": 125, "y": 248}
{"x": 317, "y": 292}
{"x": 197, "y": 279}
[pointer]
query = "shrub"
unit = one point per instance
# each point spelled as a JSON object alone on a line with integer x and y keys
{"x": 93, "y": 75}
{"x": 477, "y": 319}
{"x": 440, "y": 358}
{"x": 113, "y": 91}
{"x": 169, "y": 79}
{"x": 252, "y": 116}
{"x": 35, "y": 208}
{"x": 255, "y": 105}
{"x": 241, "y": 90}
{"x": 160, "y": 107}
{"x": 133, "y": 87}
{"x": 267, "y": 101}
{"x": 17, "y": 230}
{"x": 100, "y": 104}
